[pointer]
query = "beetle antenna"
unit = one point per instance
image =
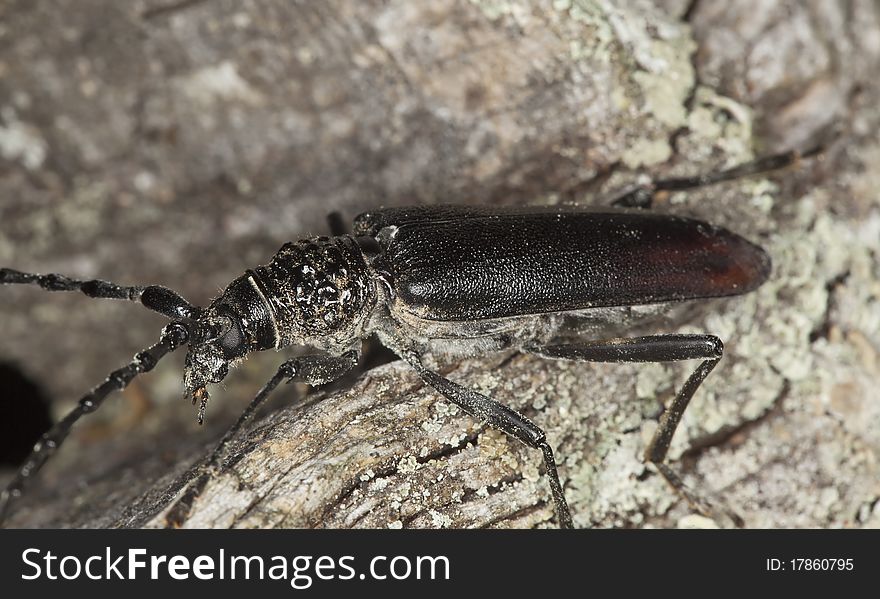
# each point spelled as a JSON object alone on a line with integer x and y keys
{"x": 156, "y": 298}
{"x": 173, "y": 336}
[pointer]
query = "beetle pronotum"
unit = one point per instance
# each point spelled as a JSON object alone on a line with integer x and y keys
{"x": 420, "y": 277}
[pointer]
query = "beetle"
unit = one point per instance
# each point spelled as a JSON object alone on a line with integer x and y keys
{"x": 454, "y": 281}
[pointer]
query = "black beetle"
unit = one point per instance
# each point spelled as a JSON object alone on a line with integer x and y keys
{"x": 454, "y": 280}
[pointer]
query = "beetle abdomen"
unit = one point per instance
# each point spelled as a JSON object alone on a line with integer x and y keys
{"x": 503, "y": 265}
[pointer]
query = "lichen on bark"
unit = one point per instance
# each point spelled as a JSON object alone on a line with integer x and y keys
{"x": 182, "y": 146}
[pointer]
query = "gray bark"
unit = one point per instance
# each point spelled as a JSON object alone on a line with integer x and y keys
{"x": 153, "y": 142}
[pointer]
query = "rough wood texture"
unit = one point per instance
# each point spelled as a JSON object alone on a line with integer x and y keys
{"x": 183, "y": 142}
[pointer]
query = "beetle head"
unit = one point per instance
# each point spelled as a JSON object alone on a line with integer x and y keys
{"x": 237, "y": 322}
{"x": 216, "y": 341}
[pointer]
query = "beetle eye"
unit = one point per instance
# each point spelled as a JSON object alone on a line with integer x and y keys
{"x": 232, "y": 340}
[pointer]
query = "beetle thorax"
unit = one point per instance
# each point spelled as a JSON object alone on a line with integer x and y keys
{"x": 319, "y": 291}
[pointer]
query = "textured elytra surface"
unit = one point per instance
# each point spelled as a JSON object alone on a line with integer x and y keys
{"x": 184, "y": 146}
{"x": 513, "y": 265}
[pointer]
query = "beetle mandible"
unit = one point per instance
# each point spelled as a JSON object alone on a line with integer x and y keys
{"x": 454, "y": 280}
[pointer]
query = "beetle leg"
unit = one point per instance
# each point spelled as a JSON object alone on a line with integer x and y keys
{"x": 337, "y": 224}
{"x": 498, "y": 416}
{"x": 642, "y": 196}
{"x": 507, "y": 420}
{"x": 654, "y": 348}
{"x": 636, "y": 196}
{"x": 318, "y": 369}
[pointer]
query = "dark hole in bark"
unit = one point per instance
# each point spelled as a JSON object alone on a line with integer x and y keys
{"x": 25, "y": 414}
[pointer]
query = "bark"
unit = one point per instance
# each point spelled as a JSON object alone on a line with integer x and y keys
{"x": 181, "y": 143}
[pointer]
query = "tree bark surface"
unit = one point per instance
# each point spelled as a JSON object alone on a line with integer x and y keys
{"x": 180, "y": 143}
